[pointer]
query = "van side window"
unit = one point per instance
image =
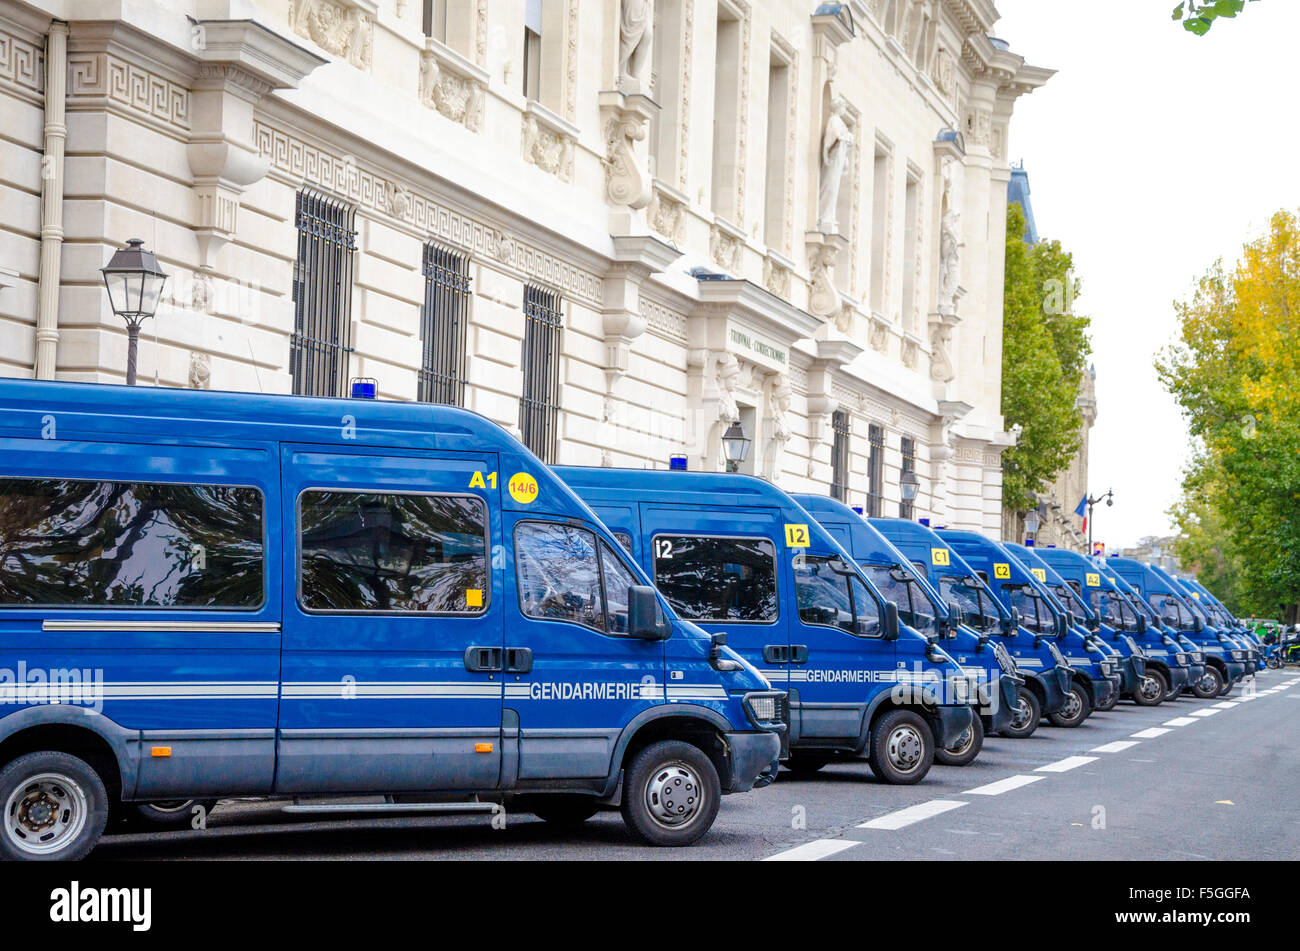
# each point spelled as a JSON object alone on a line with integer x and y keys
{"x": 831, "y": 599}
{"x": 717, "y": 579}
{"x": 624, "y": 539}
{"x": 89, "y": 544}
{"x": 1034, "y": 616}
{"x": 558, "y": 573}
{"x": 392, "y": 552}
{"x": 971, "y": 601}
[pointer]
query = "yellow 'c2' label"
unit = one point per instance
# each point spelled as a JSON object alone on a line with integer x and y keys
{"x": 939, "y": 556}
{"x": 1094, "y": 581}
{"x": 1001, "y": 570}
{"x": 523, "y": 488}
{"x": 796, "y": 536}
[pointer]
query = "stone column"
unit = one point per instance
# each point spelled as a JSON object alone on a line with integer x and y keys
{"x": 56, "y": 137}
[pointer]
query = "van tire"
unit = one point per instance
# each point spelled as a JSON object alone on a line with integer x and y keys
{"x": 1173, "y": 693}
{"x": 57, "y": 780}
{"x": 1028, "y": 722}
{"x": 561, "y": 810}
{"x": 967, "y": 748}
{"x": 1209, "y": 686}
{"x": 1078, "y": 705}
{"x": 165, "y": 815}
{"x": 1151, "y": 689}
{"x": 805, "y": 764}
{"x": 1110, "y": 704}
{"x": 671, "y": 793}
{"x": 902, "y": 748}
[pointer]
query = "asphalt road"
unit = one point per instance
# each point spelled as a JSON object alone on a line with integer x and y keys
{"x": 1186, "y": 780}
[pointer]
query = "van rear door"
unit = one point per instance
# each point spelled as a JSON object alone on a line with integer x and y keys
{"x": 391, "y": 674}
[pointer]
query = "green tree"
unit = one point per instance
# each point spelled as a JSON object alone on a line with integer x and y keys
{"x": 1233, "y": 372}
{"x": 1199, "y": 17}
{"x": 1045, "y": 348}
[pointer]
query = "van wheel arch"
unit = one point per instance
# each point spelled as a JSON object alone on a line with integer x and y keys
{"x": 81, "y": 742}
{"x": 702, "y": 732}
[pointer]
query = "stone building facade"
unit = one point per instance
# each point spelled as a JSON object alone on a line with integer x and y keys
{"x": 615, "y": 226}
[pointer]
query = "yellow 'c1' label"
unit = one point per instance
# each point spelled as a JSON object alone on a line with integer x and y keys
{"x": 796, "y": 536}
{"x": 523, "y": 488}
{"x": 939, "y": 556}
{"x": 1001, "y": 570}
{"x": 1094, "y": 581}
{"x": 1040, "y": 574}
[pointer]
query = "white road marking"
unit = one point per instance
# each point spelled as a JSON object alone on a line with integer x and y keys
{"x": 1205, "y": 713}
{"x": 905, "y": 817}
{"x": 1226, "y": 705}
{"x": 1151, "y": 734}
{"x": 1002, "y": 785}
{"x": 1181, "y": 721}
{"x": 812, "y": 851}
{"x": 1064, "y": 765}
{"x": 1119, "y": 746}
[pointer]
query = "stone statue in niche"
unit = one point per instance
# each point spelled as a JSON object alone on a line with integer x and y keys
{"x": 837, "y": 148}
{"x": 635, "y": 40}
{"x": 949, "y": 245}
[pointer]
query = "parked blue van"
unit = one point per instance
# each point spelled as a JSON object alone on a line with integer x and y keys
{"x": 1168, "y": 636}
{"x": 742, "y": 559}
{"x": 995, "y": 682}
{"x": 1094, "y": 680}
{"x": 1219, "y": 616}
{"x": 1222, "y": 670}
{"x": 1125, "y": 654}
{"x": 225, "y": 594}
{"x": 1166, "y": 666}
{"x": 1047, "y": 675}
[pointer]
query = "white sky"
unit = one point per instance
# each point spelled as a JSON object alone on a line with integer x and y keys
{"x": 1151, "y": 153}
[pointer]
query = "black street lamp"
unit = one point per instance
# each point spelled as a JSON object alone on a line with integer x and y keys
{"x": 735, "y": 446}
{"x": 134, "y": 282}
{"x": 1109, "y": 499}
{"x": 909, "y": 484}
{"x": 1033, "y": 521}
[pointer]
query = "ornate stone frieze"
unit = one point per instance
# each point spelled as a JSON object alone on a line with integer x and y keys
{"x": 103, "y": 76}
{"x": 724, "y": 249}
{"x": 776, "y": 277}
{"x": 22, "y": 63}
{"x": 667, "y": 214}
{"x": 452, "y": 85}
{"x": 548, "y": 142}
{"x": 343, "y": 28}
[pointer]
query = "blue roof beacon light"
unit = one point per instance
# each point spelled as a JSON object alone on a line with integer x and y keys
{"x": 677, "y": 462}
{"x": 925, "y": 522}
{"x": 364, "y": 388}
{"x": 858, "y": 509}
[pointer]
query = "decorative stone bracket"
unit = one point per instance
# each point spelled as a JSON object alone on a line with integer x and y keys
{"x": 625, "y": 120}
{"x": 342, "y": 28}
{"x": 547, "y": 141}
{"x": 452, "y": 85}
{"x": 823, "y": 251}
{"x": 942, "y": 369}
{"x": 241, "y": 62}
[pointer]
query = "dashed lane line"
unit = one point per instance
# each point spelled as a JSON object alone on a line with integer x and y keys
{"x": 1119, "y": 746}
{"x": 1002, "y": 786}
{"x": 1226, "y": 705}
{"x": 1181, "y": 721}
{"x": 812, "y": 851}
{"x": 913, "y": 814}
{"x": 1067, "y": 764}
{"x": 1151, "y": 733}
{"x": 1205, "y": 713}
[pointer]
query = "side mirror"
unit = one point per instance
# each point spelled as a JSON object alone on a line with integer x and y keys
{"x": 1197, "y": 626}
{"x": 1011, "y": 624}
{"x": 1142, "y": 624}
{"x": 1062, "y": 626}
{"x": 643, "y": 617}
{"x": 1094, "y": 624}
{"x": 889, "y": 622}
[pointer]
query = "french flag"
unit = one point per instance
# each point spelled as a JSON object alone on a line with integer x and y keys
{"x": 1082, "y": 512}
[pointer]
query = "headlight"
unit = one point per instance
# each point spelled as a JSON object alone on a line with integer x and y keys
{"x": 1133, "y": 646}
{"x": 1004, "y": 659}
{"x": 767, "y": 710}
{"x": 1057, "y": 655}
{"x": 960, "y": 689}
{"x": 1238, "y": 655}
{"x": 1181, "y": 659}
{"x": 1107, "y": 668}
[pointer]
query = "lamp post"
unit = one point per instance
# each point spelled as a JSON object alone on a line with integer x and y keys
{"x": 735, "y": 446}
{"x": 1032, "y": 523}
{"x": 1109, "y": 499}
{"x": 134, "y": 282}
{"x": 909, "y": 484}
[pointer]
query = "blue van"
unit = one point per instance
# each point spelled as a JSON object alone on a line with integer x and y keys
{"x": 1223, "y": 670}
{"x": 213, "y": 594}
{"x": 1166, "y": 667}
{"x": 1046, "y": 674}
{"x": 1094, "y": 679}
{"x": 1222, "y": 619}
{"x": 1124, "y": 653}
{"x": 995, "y": 683}
{"x": 742, "y": 559}
{"x": 1167, "y": 636}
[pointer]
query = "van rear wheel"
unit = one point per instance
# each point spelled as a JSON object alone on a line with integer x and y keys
{"x": 968, "y": 746}
{"x": 902, "y": 748}
{"x": 671, "y": 793}
{"x": 561, "y": 810}
{"x": 1151, "y": 689}
{"x": 55, "y": 807}
{"x": 1024, "y": 718}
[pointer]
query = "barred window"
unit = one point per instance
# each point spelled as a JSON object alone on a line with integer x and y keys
{"x": 539, "y": 409}
{"x": 840, "y": 455}
{"x": 907, "y": 509}
{"x": 443, "y": 322}
{"x": 322, "y": 295}
{"x": 875, "y": 470}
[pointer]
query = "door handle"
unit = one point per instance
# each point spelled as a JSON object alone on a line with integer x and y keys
{"x": 776, "y": 654}
{"x": 483, "y": 660}
{"x": 519, "y": 660}
{"x": 798, "y": 653}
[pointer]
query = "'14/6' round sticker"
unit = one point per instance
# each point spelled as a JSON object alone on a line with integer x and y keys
{"x": 523, "y": 488}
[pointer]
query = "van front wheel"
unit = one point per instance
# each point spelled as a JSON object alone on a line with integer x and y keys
{"x": 1076, "y": 709}
{"x": 671, "y": 793}
{"x": 1208, "y": 686}
{"x": 1024, "y": 718}
{"x": 967, "y": 748}
{"x": 902, "y": 748}
{"x": 55, "y": 807}
{"x": 1151, "y": 689}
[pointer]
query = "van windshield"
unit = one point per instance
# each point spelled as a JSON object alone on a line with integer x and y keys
{"x": 974, "y": 603}
{"x": 915, "y": 607}
{"x": 1035, "y": 615}
{"x": 1113, "y": 610}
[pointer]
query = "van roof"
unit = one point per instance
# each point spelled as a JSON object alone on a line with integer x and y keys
{"x": 668, "y": 485}
{"x": 103, "y": 410}
{"x": 867, "y": 543}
